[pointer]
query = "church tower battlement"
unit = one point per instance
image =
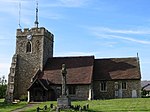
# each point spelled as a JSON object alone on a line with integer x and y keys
{"x": 35, "y": 31}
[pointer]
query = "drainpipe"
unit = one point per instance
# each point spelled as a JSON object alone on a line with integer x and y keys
{"x": 28, "y": 96}
{"x": 90, "y": 93}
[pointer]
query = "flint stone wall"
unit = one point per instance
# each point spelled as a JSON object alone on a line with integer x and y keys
{"x": 110, "y": 92}
{"x": 29, "y": 63}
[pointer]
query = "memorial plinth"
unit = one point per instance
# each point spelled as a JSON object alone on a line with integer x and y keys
{"x": 64, "y": 102}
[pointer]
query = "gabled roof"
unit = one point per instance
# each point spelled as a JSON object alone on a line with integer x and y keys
{"x": 116, "y": 68}
{"x": 79, "y": 69}
{"x": 44, "y": 84}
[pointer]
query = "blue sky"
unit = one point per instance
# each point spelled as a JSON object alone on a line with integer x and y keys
{"x": 104, "y": 28}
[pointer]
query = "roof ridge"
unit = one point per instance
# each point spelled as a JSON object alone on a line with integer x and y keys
{"x": 72, "y": 56}
{"x": 117, "y": 58}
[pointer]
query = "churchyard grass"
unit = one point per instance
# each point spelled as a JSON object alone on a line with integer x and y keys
{"x": 113, "y": 105}
{"x": 9, "y": 107}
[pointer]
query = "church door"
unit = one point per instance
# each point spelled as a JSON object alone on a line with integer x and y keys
{"x": 51, "y": 95}
{"x": 38, "y": 93}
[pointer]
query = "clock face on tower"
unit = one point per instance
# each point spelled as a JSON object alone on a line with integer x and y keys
{"x": 29, "y": 37}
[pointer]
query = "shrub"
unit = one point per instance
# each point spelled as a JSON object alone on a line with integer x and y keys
{"x": 3, "y": 91}
{"x": 23, "y": 98}
{"x": 3, "y": 87}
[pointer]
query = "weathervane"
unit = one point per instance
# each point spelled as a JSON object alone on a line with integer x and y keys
{"x": 36, "y": 20}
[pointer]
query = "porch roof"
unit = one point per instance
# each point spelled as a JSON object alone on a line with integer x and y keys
{"x": 43, "y": 83}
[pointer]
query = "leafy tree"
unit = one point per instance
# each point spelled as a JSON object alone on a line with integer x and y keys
{"x": 3, "y": 87}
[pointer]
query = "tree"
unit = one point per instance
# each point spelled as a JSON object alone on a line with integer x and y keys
{"x": 3, "y": 87}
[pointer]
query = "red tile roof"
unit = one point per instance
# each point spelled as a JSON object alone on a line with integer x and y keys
{"x": 116, "y": 68}
{"x": 79, "y": 69}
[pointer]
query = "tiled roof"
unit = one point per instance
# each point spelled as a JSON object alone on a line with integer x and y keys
{"x": 42, "y": 82}
{"x": 79, "y": 69}
{"x": 116, "y": 68}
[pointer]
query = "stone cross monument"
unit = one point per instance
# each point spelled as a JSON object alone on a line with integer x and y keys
{"x": 64, "y": 101}
{"x": 64, "y": 72}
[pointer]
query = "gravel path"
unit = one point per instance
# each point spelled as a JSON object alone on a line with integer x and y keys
{"x": 23, "y": 108}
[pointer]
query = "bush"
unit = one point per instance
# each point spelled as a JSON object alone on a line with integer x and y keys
{"x": 23, "y": 98}
{"x": 3, "y": 91}
{"x": 3, "y": 87}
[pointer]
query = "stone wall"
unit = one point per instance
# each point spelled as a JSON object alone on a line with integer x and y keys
{"x": 132, "y": 85}
{"x": 28, "y": 63}
{"x": 103, "y": 95}
{"x": 11, "y": 79}
{"x": 110, "y": 92}
{"x": 47, "y": 47}
{"x": 82, "y": 92}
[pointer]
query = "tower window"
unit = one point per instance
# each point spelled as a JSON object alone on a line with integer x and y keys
{"x": 29, "y": 47}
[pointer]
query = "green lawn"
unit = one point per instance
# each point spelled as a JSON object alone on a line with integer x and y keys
{"x": 9, "y": 107}
{"x": 113, "y": 105}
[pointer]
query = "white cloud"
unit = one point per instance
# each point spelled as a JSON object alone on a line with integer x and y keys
{"x": 4, "y": 69}
{"x": 108, "y": 44}
{"x": 5, "y": 59}
{"x": 27, "y": 16}
{"x": 146, "y": 62}
{"x": 130, "y": 31}
{"x": 27, "y": 10}
{"x": 75, "y": 54}
{"x": 129, "y": 35}
{"x": 123, "y": 38}
{"x": 4, "y": 65}
{"x": 131, "y": 39}
{"x": 68, "y": 3}
{"x": 10, "y": 1}
{"x": 52, "y": 15}
{"x": 11, "y": 8}
{"x": 73, "y": 3}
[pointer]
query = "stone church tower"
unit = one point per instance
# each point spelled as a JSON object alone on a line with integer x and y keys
{"x": 33, "y": 47}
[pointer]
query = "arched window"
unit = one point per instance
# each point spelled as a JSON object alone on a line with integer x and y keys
{"x": 29, "y": 47}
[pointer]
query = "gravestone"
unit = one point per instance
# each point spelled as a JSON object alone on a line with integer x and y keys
{"x": 64, "y": 101}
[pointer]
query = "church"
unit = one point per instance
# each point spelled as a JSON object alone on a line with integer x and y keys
{"x": 36, "y": 73}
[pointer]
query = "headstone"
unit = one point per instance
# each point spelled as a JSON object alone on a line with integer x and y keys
{"x": 87, "y": 106}
{"x": 45, "y": 107}
{"x": 38, "y": 109}
{"x": 80, "y": 109}
{"x": 84, "y": 108}
{"x": 58, "y": 109}
{"x": 51, "y": 105}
